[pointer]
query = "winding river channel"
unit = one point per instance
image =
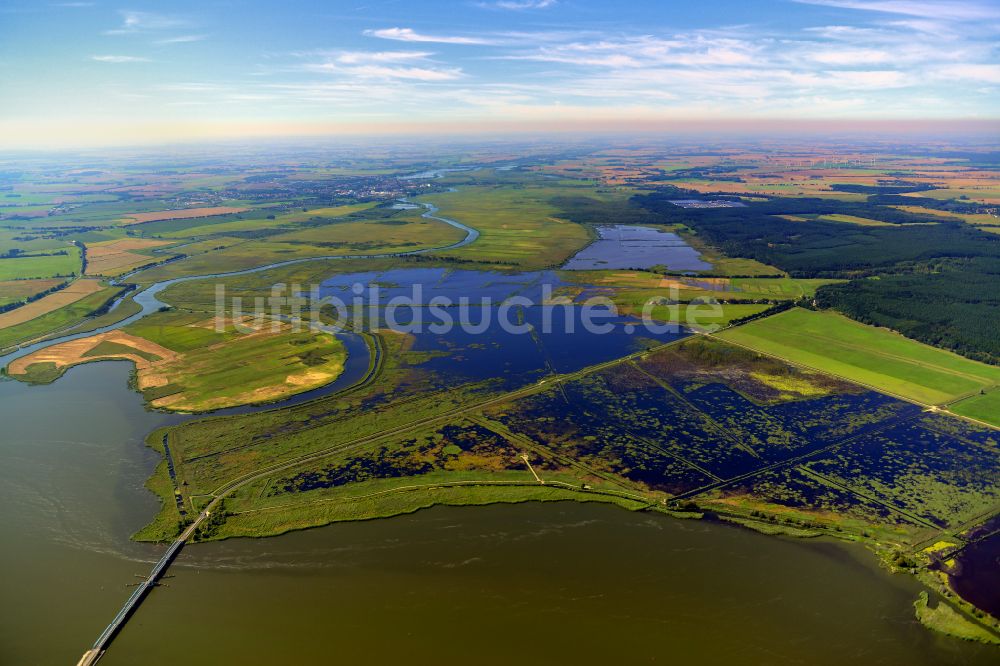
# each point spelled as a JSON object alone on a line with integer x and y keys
{"x": 531, "y": 583}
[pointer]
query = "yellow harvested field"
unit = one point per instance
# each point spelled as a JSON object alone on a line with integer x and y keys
{"x": 970, "y": 218}
{"x": 114, "y": 257}
{"x": 18, "y": 289}
{"x": 50, "y": 303}
{"x": 853, "y": 219}
{"x": 126, "y": 244}
{"x": 983, "y": 194}
{"x": 75, "y": 351}
{"x": 181, "y": 214}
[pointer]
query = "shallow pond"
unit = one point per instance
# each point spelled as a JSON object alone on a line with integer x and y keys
{"x": 627, "y": 246}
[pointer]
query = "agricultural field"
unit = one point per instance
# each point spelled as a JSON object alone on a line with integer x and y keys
{"x": 850, "y": 219}
{"x": 114, "y": 257}
{"x": 874, "y": 357}
{"x": 389, "y": 235}
{"x": 181, "y": 214}
{"x": 251, "y": 369}
{"x": 257, "y": 221}
{"x": 47, "y": 365}
{"x": 66, "y": 316}
{"x": 70, "y": 294}
{"x": 984, "y": 407}
{"x": 979, "y": 219}
{"x": 988, "y": 194}
{"x": 397, "y": 234}
{"x": 15, "y": 291}
{"x": 41, "y": 264}
{"x": 518, "y": 226}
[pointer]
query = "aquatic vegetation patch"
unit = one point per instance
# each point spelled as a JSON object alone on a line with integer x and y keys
{"x": 796, "y": 491}
{"x": 464, "y": 446}
{"x": 603, "y": 447}
{"x": 941, "y": 477}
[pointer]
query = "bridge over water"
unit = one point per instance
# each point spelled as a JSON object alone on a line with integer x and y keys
{"x": 100, "y": 645}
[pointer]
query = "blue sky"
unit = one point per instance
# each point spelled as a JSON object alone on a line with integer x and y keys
{"x": 124, "y": 71}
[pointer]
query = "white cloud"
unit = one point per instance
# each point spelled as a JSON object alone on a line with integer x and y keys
{"x": 133, "y": 22}
{"x": 361, "y": 57}
{"x": 981, "y": 73}
{"x": 849, "y": 56}
{"x": 193, "y": 87}
{"x": 947, "y": 10}
{"x": 518, "y": 5}
{"x": 118, "y": 58}
{"x": 867, "y": 79}
{"x": 647, "y": 51}
{"x": 365, "y": 65}
{"x": 181, "y": 39}
{"x": 409, "y": 35}
{"x": 372, "y": 71}
{"x": 886, "y": 64}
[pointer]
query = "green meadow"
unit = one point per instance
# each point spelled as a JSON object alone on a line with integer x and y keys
{"x": 876, "y": 357}
{"x": 216, "y": 369}
{"x": 517, "y": 225}
{"x": 41, "y": 264}
{"x": 984, "y": 407}
{"x": 347, "y": 237}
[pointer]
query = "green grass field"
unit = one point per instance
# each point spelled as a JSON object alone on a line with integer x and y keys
{"x": 723, "y": 265}
{"x": 699, "y": 315}
{"x": 516, "y": 225}
{"x": 350, "y": 237}
{"x": 875, "y": 357}
{"x": 984, "y": 407}
{"x": 179, "y": 331}
{"x": 780, "y": 288}
{"x": 125, "y": 309}
{"x": 636, "y": 288}
{"x": 258, "y": 220}
{"x": 221, "y": 369}
{"x": 41, "y": 266}
{"x": 945, "y": 619}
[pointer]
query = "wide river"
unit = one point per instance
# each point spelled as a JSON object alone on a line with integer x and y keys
{"x": 531, "y": 583}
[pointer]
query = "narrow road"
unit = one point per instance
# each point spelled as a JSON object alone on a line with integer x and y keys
{"x": 524, "y": 457}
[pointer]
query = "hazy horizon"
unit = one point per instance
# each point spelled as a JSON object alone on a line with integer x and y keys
{"x": 91, "y": 74}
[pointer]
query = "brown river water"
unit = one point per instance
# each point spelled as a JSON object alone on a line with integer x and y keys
{"x": 527, "y": 584}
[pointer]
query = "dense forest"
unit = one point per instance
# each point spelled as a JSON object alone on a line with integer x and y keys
{"x": 937, "y": 283}
{"x": 825, "y": 249}
{"x": 956, "y": 307}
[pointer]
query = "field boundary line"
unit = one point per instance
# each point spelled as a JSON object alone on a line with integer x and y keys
{"x": 923, "y": 364}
